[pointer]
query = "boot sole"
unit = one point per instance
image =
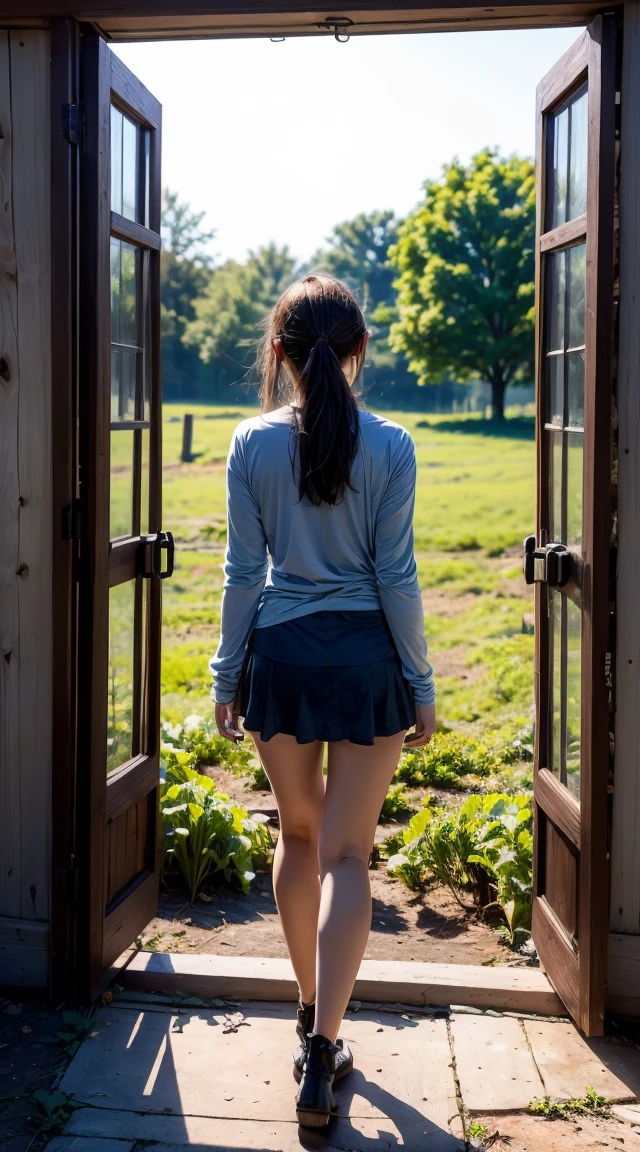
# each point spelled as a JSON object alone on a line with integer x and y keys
{"x": 307, "y": 1118}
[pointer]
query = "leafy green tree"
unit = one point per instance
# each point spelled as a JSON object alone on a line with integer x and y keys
{"x": 184, "y": 273}
{"x": 465, "y": 265}
{"x": 358, "y": 253}
{"x": 228, "y": 314}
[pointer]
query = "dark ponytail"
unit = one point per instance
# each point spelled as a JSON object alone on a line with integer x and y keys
{"x": 320, "y": 325}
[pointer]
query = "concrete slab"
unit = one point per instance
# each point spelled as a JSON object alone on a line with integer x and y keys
{"x": 495, "y": 1068}
{"x": 568, "y": 1063}
{"x": 84, "y": 1144}
{"x": 630, "y": 1113}
{"x": 402, "y": 1091}
{"x": 173, "y": 1134}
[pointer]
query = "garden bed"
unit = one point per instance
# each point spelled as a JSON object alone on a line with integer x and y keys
{"x": 427, "y": 926}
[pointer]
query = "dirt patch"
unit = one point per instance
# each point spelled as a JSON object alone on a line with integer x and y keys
{"x": 406, "y": 925}
{"x": 522, "y": 1133}
{"x": 427, "y": 926}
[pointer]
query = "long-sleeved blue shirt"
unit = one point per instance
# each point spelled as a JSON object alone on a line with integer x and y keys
{"x": 286, "y": 557}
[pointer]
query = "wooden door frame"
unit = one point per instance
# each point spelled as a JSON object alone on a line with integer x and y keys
{"x": 95, "y": 936}
{"x": 586, "y": 825}
{"x": 71, "y": 882}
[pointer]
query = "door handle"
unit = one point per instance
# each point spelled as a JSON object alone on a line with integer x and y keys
{"x": 149, "y": 558}
{"x": 547, "y": 564}
{"x": 167, "y": 544}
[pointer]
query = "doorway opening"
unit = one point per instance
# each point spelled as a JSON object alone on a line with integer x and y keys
{"x": 475, "y": 503}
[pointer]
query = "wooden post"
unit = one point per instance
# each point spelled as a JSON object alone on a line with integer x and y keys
{"x": 26, "y": 648}
{"x": 187, "y": 438}
{"x": 623, "y": 974}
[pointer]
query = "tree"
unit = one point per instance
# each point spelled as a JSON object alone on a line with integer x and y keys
{"x": 358, "y": 253}
{"x": 236, "y": 299}
{"x": 184, "y": 273}
{"x": 465, "y": 264}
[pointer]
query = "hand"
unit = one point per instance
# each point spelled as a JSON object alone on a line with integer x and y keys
{"x": 227, "y": 721}
{"x": 425, "y": 726}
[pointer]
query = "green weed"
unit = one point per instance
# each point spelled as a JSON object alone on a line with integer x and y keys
{"x": 591, "y": 1103}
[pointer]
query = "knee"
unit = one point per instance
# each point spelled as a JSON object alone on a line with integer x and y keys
{"x": 331, "y": 856}
{"x": 300, "y": 833}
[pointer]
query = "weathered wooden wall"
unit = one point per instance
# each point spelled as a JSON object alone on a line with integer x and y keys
{"x": 25, "y": 506}
{"x": 624, "y": 951}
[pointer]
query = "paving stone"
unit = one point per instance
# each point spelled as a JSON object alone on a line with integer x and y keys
{"x": 495, "y": 1068}
{"x": 630, "y": 1113}
{"x": 173, "y": 1133}
{"x": 88, "y": 1144}
{"x": 402, "y": 1089}
{"x": 568, "y": 1063}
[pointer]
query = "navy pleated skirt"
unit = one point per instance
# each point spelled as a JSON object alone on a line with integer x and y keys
{"x": 333, "y": 675}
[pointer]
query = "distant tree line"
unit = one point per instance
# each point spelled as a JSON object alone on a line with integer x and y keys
{"x": 447, "y": 293}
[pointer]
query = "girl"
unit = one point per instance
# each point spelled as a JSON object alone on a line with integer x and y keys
{"x": 324, "y": 644}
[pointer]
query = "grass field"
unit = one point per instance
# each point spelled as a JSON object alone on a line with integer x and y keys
{"x": 474, "y": 505}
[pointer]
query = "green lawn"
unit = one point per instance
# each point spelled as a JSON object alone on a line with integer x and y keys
{"x": 474, "y": 505}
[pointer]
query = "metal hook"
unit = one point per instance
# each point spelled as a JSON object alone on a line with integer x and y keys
{"x": 337, "y": 25}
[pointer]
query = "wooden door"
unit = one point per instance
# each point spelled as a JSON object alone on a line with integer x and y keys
{"x": 124, "y": 554}
{"x": 569, "y": 559}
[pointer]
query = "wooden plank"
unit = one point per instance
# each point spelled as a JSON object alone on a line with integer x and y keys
{"x": 564, "y": 235}
{"x": 623, "y": 975}
{"x": 94, "y": 450}
{"x": 597, "y": 525}
{"x": 568, "y": 1064}
{"x": 266, "y": 978}
{"x": 556, "y": 954}
{"x": 64, "y": 490}
{"x": 30, "y": 81}
{"x": 131, "y": 95}
{"x": 565, "y": 76}
{"x": 558, "y": 803}
{"x": 495, "y": 1068}
{"x": 24, "y": 953}
{"x": 625, "y": 842}
{"x": 166, "y": 19}
{"x": 134, "y": 233}
{"x": 10, "y": 888}
{"x": 123, "y": 923}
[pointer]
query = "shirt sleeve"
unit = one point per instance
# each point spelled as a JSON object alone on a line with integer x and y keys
{"x": 396, "y": 572}
{"x": 245, "y": 573}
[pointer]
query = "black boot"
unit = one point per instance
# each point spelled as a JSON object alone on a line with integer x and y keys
{"x": 315, "y": 1103}
{"x": 305, "y": 1025}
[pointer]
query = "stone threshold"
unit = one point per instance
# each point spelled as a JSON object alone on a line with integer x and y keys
{"x": 379, "y": 981}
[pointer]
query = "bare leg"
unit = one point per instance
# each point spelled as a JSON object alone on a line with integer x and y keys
{"x": 357, "y": 781}
{"x": 295, "y": 775}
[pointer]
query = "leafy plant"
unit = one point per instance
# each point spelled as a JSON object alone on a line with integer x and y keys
{"x": 56, "y": 1106}
{"x": 205, "y": 832}
{"x": 395, "y": 803}
{"x": 483, "y": 848}
{"x": 202, "y": 740}
{"x": 76, "y": 1027}
{"x": 591, "y": 1103}
{"x": 456, "y": 760}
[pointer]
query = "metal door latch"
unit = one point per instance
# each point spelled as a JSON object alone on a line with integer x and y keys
{"x": 150, "y": 553}
{"x": 546, "y": 564}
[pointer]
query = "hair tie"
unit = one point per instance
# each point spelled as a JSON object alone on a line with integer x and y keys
{"x": 322, "y": 339}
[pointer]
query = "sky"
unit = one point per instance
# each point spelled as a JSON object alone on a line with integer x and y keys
{"x": 282, "y": 141}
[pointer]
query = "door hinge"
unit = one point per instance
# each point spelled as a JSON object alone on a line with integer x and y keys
{"x": 72, "y": 521}
{"x": 71, "y": 123}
